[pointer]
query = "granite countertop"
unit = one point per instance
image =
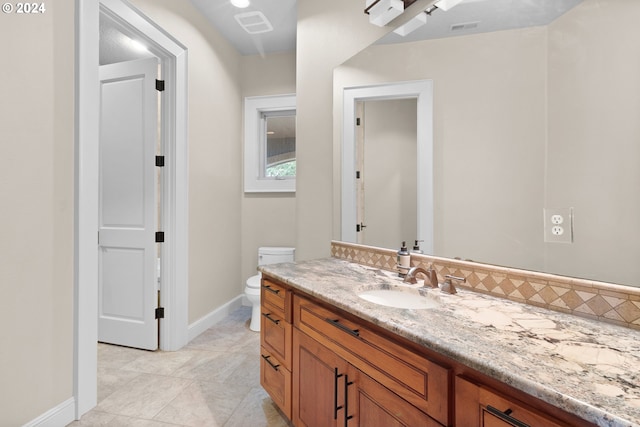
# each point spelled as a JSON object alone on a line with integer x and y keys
{"x": 586, "y": 367}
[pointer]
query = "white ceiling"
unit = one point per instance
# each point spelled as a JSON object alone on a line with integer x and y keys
{"x": 281, "y": 14}
{"x": 484, "y": 15}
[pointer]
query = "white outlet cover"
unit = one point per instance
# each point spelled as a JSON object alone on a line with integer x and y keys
{"x": 554, "y": 232}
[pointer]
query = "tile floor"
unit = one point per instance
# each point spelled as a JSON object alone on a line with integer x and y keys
{"x": 214, "y": 381}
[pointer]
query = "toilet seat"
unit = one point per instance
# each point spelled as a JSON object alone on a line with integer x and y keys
{"x": 253, "y": 282}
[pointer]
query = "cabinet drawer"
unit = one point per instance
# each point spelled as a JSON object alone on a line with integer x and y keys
{"x": 415, "y": 378}
{"x": 276, "y": 298}
{"x": 496, "y": 410}
{"x": 477, "y": 405}
{"x": 276, "y": 335}
{"x": 276, "y": 380}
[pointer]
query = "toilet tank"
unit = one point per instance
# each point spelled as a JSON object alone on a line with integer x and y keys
{"x": 275, "y": 254}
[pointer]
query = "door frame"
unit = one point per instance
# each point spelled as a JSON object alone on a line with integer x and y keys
{"x": 174, "y": 288}
{"x": 422, "y": 90}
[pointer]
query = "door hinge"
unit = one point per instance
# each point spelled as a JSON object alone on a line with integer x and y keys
{"x": 357, "y": 174}
{"x": 160, "y": 85}
{"x": 160, "y": 313}
{"x": 358, "y": 121}
{"x": 159, "y": 236}
{"x": 160, "y": 161}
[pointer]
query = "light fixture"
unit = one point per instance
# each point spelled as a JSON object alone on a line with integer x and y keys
{"x": 381, "y": 12}
{"x": 447, "y": 4}
{"x": 241, "y": 3}
{"x": 412, "y": 25}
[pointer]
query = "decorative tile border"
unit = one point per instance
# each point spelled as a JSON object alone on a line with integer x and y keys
{"x": 596, "y": 300}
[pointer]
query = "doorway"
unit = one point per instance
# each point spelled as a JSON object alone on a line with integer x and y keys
{"x": 173, "y": 57}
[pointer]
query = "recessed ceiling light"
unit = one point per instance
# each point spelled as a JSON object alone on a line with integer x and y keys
{"x": 240, "y": 3}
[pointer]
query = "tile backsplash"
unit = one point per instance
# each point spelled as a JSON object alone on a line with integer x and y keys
{"x": 596, "y": 300}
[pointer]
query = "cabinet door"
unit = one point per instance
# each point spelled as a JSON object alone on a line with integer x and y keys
{"x": 372, "y": 405}
{"x": 318, "y": 384}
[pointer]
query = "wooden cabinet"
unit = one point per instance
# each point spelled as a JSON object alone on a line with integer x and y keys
{"x": 416, "y": 379}
{"x": 326, "y": 368}
{"x": 329, "y": 391}
{"x": 275, "y": 343}
{"x": 402, "y": 387}
{"x": 480, "y": 406}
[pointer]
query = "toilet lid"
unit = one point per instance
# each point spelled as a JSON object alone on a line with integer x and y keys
{"x": 254, "y": 281}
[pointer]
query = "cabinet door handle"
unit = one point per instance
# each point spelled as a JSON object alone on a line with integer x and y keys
{"x": 270, "y": 289}
{"x": 268, "y": 316}
{"x": 347, "y": 417}
{"x": 506, "y": 416}
{"x": 337, "y": 324}
{"x": 336, "y": 408}
{"x": 266, "y": 358}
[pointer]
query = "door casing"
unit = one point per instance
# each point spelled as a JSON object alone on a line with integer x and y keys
{"x": 422, "y": 90}
{"x": 174, "y": 331}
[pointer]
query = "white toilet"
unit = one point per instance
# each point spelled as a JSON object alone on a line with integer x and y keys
{"x": 266, "y": 255}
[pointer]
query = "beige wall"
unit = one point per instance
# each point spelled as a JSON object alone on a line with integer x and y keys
{"x": 593, "y": 161}
{"x": 215, "y": 108}
{"x": 489, "y": 126}
{"x": 329, "y": 32}
{"x": 268, "y": 219}
{"x": 36, "y": 192}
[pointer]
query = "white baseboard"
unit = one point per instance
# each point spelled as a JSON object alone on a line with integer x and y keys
{"x": 208, "y": 320}
{"x": 60, "y": 415}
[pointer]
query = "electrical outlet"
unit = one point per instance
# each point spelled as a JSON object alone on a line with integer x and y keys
{"x": 557, "y": 219}
{"x": 558, "y": 225}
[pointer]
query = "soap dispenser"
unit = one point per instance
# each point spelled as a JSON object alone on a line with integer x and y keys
{"x": 404, "y": 260}
{"x": 416, "y": 247}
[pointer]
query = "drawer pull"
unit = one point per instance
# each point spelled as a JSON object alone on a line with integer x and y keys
{"x": 268, "y": 316}
{"x": 336, "y": 408}
{"x": 337, "y": 324}
{"x": 270, "y": 289}
{"x": 266, "y": 358}
{"x": 506, "y": 416}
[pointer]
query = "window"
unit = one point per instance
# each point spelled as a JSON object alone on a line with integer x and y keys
{"x": 270, "y": 144}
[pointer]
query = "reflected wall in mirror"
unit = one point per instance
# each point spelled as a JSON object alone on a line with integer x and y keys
{"x": 527, "y": 119}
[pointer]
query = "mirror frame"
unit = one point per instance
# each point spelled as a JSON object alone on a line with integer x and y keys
{"x": 422, "y": 91}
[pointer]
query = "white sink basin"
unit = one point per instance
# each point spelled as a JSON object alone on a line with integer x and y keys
{"x": 399, "y": 298}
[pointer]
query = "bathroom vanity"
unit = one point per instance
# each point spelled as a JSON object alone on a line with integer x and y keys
{"x": 330, "y": 357}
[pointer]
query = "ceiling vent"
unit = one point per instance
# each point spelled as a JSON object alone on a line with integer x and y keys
{"x": 254, "y": 22}
{"x": 464, "y": 27}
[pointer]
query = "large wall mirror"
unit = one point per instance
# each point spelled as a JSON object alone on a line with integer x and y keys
{"x": 527, "y": 118}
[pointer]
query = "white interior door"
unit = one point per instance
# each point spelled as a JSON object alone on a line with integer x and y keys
{"x": 128, "y": 205}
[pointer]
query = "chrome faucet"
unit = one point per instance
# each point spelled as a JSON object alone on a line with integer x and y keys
{"x": 431, "y": 276}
